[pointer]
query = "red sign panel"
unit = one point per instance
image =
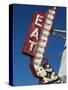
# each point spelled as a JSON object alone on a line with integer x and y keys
{"x": 30, "y": 45}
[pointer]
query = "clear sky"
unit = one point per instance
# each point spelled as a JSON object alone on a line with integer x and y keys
{"x": 22, "y": 16}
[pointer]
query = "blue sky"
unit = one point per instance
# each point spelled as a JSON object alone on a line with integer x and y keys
{"x": 22, "y": 16}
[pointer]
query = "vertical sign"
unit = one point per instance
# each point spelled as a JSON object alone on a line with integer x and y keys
{"x": 30, "y": 45}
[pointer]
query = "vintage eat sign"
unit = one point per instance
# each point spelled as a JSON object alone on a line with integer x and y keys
{"x": 30, "y": 45}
